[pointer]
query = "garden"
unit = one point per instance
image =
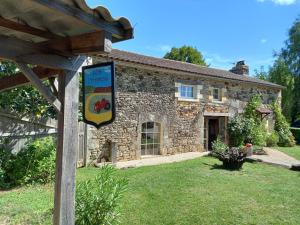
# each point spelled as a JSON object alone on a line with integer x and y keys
{"x": 199, "y": 191}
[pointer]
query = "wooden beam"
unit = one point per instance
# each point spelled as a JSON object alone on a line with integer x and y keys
{"x": 64, "y": 198}
{"x": 25, "y": 52}
{"x": 34, "y": 79}
{"x": 81, "y": 16}
{"x": 26, "y": 29}
{"x": 20, "y": 79}
{"x": 90, "y": 43}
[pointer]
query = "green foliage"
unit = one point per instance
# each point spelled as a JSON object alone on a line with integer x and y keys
{"x": 272, "y": 139}
{"x": 291, "y": 55}
{"x": 261, "y": 74}
{"x": 247, "y": 128}
{"x": 233, "y": 158}
{"x": 296, "y": 134}
{"x": 98, "y": 199}
{"x": 219, "y": 146}
{"x": 250, "y": 109}
{"x": 282, "y": 128}
{"x": 35, "y": 163}
{"x": 26, "y": 100}
{"x": 186, "y": 54}
{"x": 243, "y": 130}
{"x": 279, "y": 73}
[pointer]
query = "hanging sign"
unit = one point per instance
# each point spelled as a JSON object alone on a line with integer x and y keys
{"x": 98, "y": 94}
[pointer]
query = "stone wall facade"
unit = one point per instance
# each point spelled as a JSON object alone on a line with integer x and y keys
{"x": 148, "y": 95}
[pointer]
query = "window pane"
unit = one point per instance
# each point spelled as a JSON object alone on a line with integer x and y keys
{"x": 187, "y": 91}
{"x": 156, "y": 138}
{"x": 143, "y": 148}
{"x": 156, "y": 149}
{"x": 144, "y": 127}
{"x": 150, "y": 138}
{"x": 216, "y": 94}
{"x": 150, "y": 126}
{"x": 144, "y": 139}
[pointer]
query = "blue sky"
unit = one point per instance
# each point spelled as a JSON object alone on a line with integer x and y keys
{"x": 223, "y": 30}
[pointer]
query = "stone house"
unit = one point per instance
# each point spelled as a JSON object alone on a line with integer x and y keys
{"x": 167, "y": 107}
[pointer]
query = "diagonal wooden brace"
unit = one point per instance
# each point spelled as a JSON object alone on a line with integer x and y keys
{"x": 45, "y": 91}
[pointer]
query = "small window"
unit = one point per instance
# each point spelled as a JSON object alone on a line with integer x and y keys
{"x": 186, "y": 91}
{"x": 217, "y": 94}
{"x": 150, "y": 140}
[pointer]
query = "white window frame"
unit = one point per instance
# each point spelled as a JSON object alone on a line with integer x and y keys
{"x": 219, "y": 99}
{"x": 187, "y": 86}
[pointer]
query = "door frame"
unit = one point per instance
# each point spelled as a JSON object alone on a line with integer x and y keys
{"x": 206, "y": 130}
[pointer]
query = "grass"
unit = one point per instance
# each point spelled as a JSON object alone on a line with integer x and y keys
{"x": 185, "y": 193}
{"x": 291, "y": 151}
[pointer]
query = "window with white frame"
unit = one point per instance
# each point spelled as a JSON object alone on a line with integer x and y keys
{"x": 187, "y": 91}
{"x": 217, "y": 94}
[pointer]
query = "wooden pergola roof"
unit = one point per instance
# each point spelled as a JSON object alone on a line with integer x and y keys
{"x": 47, "y": 33}
{"x": 55, "y": 37}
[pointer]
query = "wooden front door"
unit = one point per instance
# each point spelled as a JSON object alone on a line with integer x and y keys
{"x": 213, "y": 131}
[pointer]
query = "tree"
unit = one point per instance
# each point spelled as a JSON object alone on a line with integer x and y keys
{"x": 23, "y": 101}
{"x": 186, "y": 54}
{"x": 279, "y": 73}
{"x": 261, "y": 74}
{"x": 291, "y": 55}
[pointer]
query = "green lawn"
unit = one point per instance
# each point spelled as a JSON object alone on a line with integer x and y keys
{"x": 187, "y": 193}
{"x": 291, "y": 151}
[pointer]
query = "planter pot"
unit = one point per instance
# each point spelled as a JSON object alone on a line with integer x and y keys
{"x": 233, "y": 165}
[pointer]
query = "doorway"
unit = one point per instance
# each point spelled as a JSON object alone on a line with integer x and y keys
{"x": 213, "y": 131}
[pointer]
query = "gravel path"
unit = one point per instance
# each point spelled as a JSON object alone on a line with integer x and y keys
{"x": 157, "y": 160}
{"x": 276, "y": 157}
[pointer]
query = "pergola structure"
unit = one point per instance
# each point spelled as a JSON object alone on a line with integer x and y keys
{"x": 55, "y": 37}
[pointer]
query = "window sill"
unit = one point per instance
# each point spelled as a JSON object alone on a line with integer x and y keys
{"x": 188, "y": 100}
{"x": 217, "y": 101}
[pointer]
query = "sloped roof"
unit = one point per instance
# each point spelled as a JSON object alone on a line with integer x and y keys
{"x": 185, "y": 67}
{"x": 62, "y": 18}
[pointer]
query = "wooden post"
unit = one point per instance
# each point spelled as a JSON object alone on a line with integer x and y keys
{"x": 64, "y": 199}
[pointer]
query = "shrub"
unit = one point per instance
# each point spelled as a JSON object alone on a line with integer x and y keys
{"x": 250, "y": 109}
{"x": 236, "y": 131}
{"x": 286, "y": 138}
{"x": 219, "y": 146}
{"x": 98, "y": 200}
{"x": 35, "y": 163}
{"x": 296, "y": 133}
{"x": 243, "y": 130}
{"x": 272, "y": 139}
{"x": 232, "y": 158}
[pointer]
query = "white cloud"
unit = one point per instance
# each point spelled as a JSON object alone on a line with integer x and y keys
{"x": 160, "y": 48}
{"x": 280, "y": 2}
{"x": 165, "y": 48}
{"x": 218, "y": 61}
{"x": 263, "y": 41}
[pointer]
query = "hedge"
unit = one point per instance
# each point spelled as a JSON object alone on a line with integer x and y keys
{"x": 296, "y": 133}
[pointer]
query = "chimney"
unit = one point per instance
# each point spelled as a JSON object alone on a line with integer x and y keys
{"x": 240, "y": 68}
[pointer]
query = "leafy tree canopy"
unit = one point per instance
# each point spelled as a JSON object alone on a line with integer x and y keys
{"x": 23, "y": 101}
{"x": 186, "y": 54}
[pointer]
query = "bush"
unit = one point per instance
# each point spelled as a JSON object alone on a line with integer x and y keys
{"x": 243, "y": 130}
{"x": 98, "y": 200}
{"x": 232, "y": 158}
{"x": 219, "y": 146}
{"x": 296, "y": 133}
{"x": 286, "y": 138}
{"x": 35, "y": 163}
{"x": 272, "y": 139}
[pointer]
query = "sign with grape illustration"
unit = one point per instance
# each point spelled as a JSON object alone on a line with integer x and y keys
{"x": 98, "y": 94}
